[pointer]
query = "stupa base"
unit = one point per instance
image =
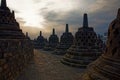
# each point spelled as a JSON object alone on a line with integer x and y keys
{"x": 73, "y": 64}
{"x": 59, "y": 52}
{"x": 103, "y": 69}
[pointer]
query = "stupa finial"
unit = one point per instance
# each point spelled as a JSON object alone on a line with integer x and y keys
{"x": 40, "y": 33}
{"x": 67, "y": 28}
{"x": 3, "y": 3}
{"x": 26, "y": 34}
{"x": 85, "y": 20}
{"x": 53, "y": 31}
{"x": 13, "y": 13}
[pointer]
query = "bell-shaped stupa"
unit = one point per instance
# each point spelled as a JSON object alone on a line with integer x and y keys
{"x": 9, "y": 27}
{"x": 107, "y": 67}
{"x": 85, "y": 48}
{"x": 40, "y": 42}
{"x": 53, "y": 42}
{"x": 66, "y": 41}
{"x": 16, "y": 50}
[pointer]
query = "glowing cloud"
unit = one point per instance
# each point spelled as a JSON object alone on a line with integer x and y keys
{"x": 36, "y": 15}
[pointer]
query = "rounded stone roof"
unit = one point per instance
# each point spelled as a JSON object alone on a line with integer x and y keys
{"x": 113, "y": 42}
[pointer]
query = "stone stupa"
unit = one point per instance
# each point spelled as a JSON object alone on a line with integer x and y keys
{"x": 66, "y": 41}
{"x": 27, "y": 36}
{"x": 53, "y": 42}
{"x": 85, "y": 48}
{"x": 40, "y": 42}
{"x": 107, "y": 66}
{"x": 9, "y": 27}
{"x": 16, "y": 51}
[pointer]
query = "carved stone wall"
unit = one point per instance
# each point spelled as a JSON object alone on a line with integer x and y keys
{"x": 14, "y": 57}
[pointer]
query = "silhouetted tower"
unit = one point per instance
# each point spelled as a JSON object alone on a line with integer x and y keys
{"x": 13, "y": 13}
{"x": 67, "y": 28}
{"x": 40, "y": 33}
{"x": 53, "y": 41}
{"x": 66, "y": 40}
{"x": 3, "y": 4}
{"x": 85, "y": 21}
{"x": 27, "y": 35}
{"x": 53, "y": 31}
{"x": 41, "y": 40}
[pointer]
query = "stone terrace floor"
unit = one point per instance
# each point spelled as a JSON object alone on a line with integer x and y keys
{"x": 47, "y": 66}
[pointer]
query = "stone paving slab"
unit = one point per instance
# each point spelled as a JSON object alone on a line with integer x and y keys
{"x": 47, "y": 66}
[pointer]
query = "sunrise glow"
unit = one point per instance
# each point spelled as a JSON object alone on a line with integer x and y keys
{"x": 36, "y": 15}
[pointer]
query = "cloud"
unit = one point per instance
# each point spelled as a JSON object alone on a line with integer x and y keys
{"x": 100, "y": 13}
{"x": 36, "y": 1}
{"x": 47, "y": 14}
{"x": 32, "y": 31}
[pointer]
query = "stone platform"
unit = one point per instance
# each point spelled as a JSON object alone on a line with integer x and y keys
{"x": 47, "y": 66}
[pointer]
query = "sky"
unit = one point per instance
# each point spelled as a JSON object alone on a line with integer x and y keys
{"x": 44, "y": 15}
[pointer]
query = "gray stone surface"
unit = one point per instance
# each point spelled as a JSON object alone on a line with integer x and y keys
{"x": 47, "y": 66}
